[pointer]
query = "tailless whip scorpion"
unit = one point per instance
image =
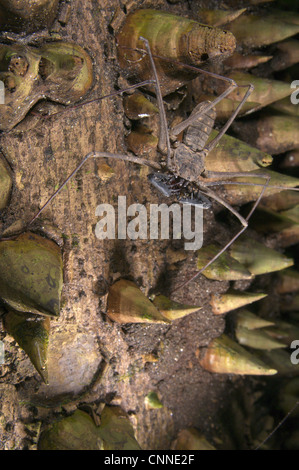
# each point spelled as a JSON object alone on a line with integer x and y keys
{"x": 183, "y": 174}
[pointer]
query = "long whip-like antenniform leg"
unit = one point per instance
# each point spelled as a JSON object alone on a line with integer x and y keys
{"x": 164, "y": 140}
{"x": 176, "y": 130}
{"x": 223, "y": 203}
{"x": 222, "y": 131}
{"x": 126, "y": 158}
{"x": 278, "y": 425}
{"x": 109, "y": 95}
{"x": 232, "y": 85}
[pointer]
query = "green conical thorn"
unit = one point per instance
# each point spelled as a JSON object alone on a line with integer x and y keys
{"x": 283, "y": 331}
{"x": 267, "y": 221}
{"x": 280, "y": 201}
{"x": 258, "y": 258}
{"x": 246, "y": 61}
{"x": 285, "y": 105}
{"x": 173, "y": 310}
{"x": 225, "y": 268}
{"x": 272, "y": 133}
{"x": 231, "y": 300}
{"x": 257, "y": 339}
{"x": 265, "y": 91}
{"x": 217, "y": 17}
{"x": 32, "y": 334}
{"x": 235, "y": 155}
{"x": 246, "y": 319}
{"x": 241, "y": 194}
{"x": 280, "y": 360}
{"x": 227, "y": 106}
{"x": 31, "y": 274}
{"x": 127, "y": 304}
{"x": 252, "y": 31}
{"x": 225, "y": 356}
{"x": 286, "y": 230}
